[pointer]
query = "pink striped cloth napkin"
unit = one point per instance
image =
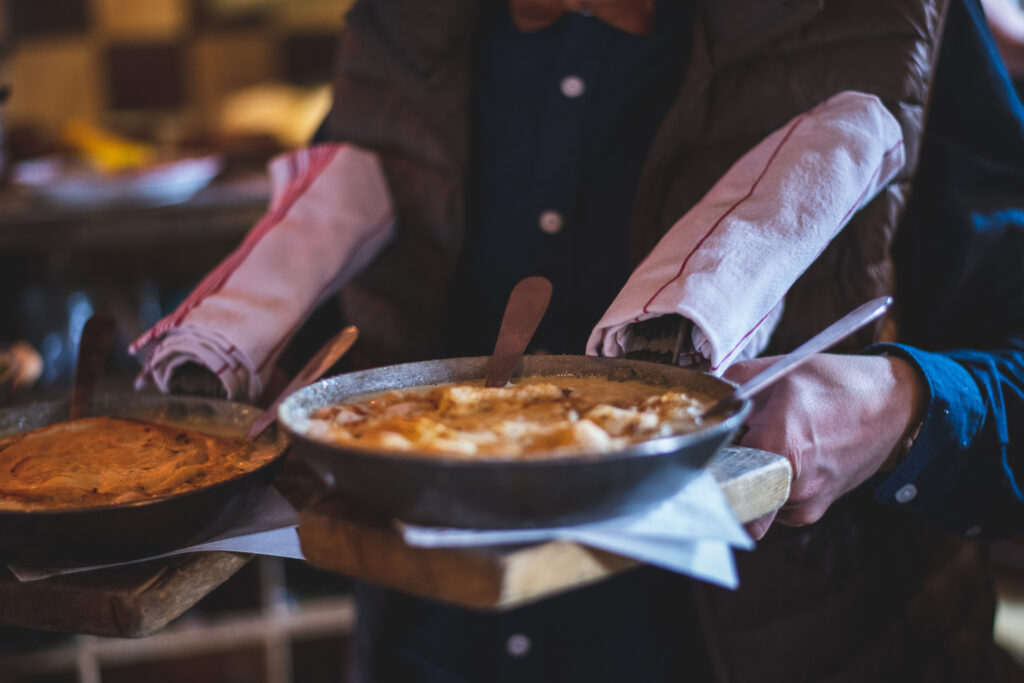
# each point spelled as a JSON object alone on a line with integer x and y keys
{"x": 727, "y": 264}
{"x": 330, "y": 214}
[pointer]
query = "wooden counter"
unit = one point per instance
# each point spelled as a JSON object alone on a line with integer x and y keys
{"x": 223, "y": 211}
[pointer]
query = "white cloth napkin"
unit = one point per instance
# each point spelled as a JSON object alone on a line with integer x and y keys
{"x": 727, "y": 264}
{"x": 329, "y": 216}
{"x": 267, "y": 527}
{"x": 691, "y": 533}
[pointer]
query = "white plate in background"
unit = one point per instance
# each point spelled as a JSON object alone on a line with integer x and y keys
{"x": 64, "y": 184}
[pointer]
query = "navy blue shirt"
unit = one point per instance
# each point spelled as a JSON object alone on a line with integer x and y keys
{"x": 960, "y": 273}
{"x": 563, "y": 118}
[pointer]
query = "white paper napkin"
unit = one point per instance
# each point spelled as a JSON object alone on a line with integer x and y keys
{"x": 692, "y": 533}
{"x": 266, "y": 528}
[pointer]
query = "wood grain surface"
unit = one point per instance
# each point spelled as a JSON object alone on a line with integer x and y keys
{"x": 128, "y": 601}
{"x": 338, "y": 538}
{"x": 137, "y": 600}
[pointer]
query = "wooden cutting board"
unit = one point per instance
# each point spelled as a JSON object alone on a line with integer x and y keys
{"x": 338, "y": 538}
{"x": 128, "y": 601}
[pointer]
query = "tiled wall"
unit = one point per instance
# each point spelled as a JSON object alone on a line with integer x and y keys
{"x": 151, "y": 63}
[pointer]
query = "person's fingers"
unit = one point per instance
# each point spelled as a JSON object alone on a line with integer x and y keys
{"x": 802, "y": 514}
{"x": 759, "y": 527}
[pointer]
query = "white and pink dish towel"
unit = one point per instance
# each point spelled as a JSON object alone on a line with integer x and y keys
{"x": 726, "y": 265}
{"x": 330, "y": 214}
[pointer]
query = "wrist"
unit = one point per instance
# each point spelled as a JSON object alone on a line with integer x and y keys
{"x": 911, "y": 397}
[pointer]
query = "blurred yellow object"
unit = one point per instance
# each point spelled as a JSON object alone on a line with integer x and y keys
{"x": 288, "y": 113}
{"x": 105, "y": 150}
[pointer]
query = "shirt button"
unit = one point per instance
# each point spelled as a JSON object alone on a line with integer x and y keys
{"x": 906, "y": 493}
{"x": 572, "y": 86}
{"x": 550, "y": 222}
{"x": 517, "y": 645}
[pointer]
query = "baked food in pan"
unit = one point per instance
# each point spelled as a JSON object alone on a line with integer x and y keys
{"x": 107, "y": 461}
{"x": 537, "y": 417}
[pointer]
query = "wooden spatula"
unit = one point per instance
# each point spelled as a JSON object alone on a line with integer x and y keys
{"x": 523, "y": 312}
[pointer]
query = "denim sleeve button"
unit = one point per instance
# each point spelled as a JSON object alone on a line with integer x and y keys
{"x": 906, "y": 493}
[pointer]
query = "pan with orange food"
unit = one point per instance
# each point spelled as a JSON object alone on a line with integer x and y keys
{"x": 139, "y": 475}
{"x": 405, "y": 440}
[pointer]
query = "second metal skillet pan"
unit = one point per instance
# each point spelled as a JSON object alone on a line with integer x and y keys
{"x": 113, "y": 533}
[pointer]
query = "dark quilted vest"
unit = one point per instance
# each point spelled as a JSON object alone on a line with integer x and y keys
{"x": 866, "y": 594}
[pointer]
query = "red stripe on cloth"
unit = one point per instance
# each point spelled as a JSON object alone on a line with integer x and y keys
{"x": 320, "y": 157}
{"x": 725, "y": 215}
{"x": 287, "y": 337}
{"x": 295, "y": 190}
{"x": 842, "y": 222}
{"x": 744, "y": 337}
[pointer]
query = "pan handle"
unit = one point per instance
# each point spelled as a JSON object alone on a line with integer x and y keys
{"x": 327, "y": 356}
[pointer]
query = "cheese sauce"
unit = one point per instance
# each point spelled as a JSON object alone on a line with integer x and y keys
{"x": 537, "y": 417}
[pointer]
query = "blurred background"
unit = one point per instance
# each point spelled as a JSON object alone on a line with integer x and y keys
{"x": 133, "y": 139}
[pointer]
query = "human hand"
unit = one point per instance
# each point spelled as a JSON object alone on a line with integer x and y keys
{"x": 837, "y": 419}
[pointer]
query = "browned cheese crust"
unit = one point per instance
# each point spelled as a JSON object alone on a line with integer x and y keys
{"x": 104, "y": 461}
{"x": 537, "y": 418}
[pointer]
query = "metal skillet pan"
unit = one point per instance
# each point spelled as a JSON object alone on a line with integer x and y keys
{"x": 504, "y": 493}
{"x": 132, "y": 530}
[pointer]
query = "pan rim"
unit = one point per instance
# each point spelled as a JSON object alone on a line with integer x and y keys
{"x": 289, "y": 414}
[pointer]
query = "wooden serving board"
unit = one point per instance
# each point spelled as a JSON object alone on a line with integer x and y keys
{"x": 128, "y": 601}
{"x": 338, "y": 538}
{"x": 137, "y": 600}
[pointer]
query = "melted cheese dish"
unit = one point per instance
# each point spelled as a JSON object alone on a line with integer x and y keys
{"x": 104, "y": 461}
{"x": 539, "y": 417}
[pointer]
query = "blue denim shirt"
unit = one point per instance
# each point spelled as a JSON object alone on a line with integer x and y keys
{"x": 960, "y": 272}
